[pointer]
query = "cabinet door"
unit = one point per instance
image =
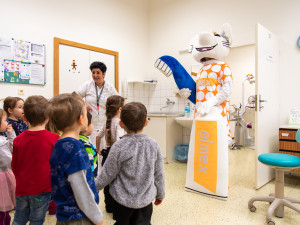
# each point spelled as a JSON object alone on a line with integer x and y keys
{"x": 157, "y": 129}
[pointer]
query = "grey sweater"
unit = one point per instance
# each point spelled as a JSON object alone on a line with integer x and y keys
{"x": 134, "y": 170}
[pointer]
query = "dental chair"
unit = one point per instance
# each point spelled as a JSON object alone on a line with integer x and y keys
{"x": 281, "y": 163}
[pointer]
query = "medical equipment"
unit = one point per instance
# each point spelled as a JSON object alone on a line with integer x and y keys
{"x": 245, "y": 119}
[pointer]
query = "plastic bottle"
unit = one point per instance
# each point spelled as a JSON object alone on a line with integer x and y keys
{"x": 187, "y": 110}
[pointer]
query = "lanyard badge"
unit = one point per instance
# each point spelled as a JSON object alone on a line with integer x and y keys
{"x": 98, "y": 96}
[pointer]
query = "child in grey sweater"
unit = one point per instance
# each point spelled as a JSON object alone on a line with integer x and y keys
{"x": 134, "y": 170}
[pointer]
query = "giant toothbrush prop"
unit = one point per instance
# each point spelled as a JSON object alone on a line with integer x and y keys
{"x": 207, "y": 169}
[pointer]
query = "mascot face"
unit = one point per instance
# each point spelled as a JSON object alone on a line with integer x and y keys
{"x": 207, "y": 46}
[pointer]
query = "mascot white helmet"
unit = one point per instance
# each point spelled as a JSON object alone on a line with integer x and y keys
{"x": 213, "y": 45}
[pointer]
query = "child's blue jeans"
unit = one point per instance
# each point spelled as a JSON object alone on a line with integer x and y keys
{"x": 31, "y": 208}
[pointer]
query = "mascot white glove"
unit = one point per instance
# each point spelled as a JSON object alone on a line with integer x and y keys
{"x": 185, "y": 93}
{"x": 205, "y": 107}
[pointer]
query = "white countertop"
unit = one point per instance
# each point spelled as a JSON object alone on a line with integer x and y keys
{"x": 161, "y": 114}
{"x": 288, "y": 126}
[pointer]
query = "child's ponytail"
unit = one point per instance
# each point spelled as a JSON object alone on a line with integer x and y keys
{"x": 113, "y": 104}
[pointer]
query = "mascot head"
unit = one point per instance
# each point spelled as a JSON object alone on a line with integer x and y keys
{"x": 214, "y": 45}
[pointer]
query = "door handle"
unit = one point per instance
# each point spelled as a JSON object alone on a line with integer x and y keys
{"x": 260, "y": 101}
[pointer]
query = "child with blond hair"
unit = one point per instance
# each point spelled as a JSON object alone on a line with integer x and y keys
{"x": 72, "y": 181}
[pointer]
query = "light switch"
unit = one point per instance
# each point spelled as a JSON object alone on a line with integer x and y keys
{"x": 21, "y": 91}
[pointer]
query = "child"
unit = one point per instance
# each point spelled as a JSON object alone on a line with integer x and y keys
{"x": 30, "y": 163}
{"x": 112, "y": 132}
{"x": 89, "y": 147}
{"x": 14, "y": 109}
{"x": 134, "y": 170}
{"x": 73, "y": 185}
{"x": 7, "y": 178}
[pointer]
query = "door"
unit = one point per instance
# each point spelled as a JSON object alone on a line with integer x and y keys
{"x": 71, "y": 78}
{"x": 267, "y": 100}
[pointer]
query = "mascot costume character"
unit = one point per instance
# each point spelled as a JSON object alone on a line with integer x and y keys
{"x": 207, "y": 170}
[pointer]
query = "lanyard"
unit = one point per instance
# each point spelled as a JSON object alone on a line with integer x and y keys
{"x": 98, "y": 96}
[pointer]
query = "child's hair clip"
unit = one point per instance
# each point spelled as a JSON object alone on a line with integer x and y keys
{"x": 107, "y": 129}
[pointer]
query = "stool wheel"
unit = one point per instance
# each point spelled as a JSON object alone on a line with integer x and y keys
{"x": 252, "y": 208}
{"x": 271, "y": 222}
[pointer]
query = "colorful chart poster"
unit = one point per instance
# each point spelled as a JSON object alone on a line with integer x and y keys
{"x": 21, "y": 61}
{"x": 21, "y": 50}
{"x": 12, "y": 72}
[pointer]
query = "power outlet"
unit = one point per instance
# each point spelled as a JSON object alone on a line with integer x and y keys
{"x": 21, "y": 91}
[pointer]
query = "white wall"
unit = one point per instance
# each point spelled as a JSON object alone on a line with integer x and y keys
{"x": 174, "y": 22}
{"x": 118, "y": 25}
{"x": 144, "y": 30}
{"x": 242, "y": 62}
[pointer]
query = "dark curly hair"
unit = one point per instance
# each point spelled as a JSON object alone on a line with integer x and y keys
{"x": 98, "y": 65}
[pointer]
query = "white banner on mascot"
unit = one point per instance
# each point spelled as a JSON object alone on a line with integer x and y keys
{"x": 207, "y": 169}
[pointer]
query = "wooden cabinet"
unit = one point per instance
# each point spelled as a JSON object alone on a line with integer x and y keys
{"x": 288, "y": 143}
{"x": 167, "y": 134}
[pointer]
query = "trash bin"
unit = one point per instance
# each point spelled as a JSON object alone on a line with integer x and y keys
{"x": 181, "y": 153}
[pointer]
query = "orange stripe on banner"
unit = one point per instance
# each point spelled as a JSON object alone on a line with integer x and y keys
{"x": 206, "y": 154}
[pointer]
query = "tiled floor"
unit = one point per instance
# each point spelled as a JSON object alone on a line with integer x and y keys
{"x": 186, "y": 208}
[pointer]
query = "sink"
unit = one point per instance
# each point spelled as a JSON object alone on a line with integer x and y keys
{"x": 186, "y": 122}
{"x": 164, "y": 114}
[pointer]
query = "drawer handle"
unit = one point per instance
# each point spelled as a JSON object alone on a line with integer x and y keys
{"x": 284, "y": 134}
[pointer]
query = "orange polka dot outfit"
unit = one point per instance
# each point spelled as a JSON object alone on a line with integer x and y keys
{"x": 209, "y": 82}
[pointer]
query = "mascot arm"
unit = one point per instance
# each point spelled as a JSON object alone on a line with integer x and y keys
{"x": 168, "y": 65}
{"x": 222, "y": 95}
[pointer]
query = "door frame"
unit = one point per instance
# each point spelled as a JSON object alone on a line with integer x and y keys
{"x": 59, "y": 41}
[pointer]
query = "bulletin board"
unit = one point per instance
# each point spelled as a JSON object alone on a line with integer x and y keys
{"x": 72, "y": 61}
{"x": 21, "y": 62}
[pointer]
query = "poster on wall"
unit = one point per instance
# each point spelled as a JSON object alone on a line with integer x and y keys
{"x": 21, "y": 50}
{"x": 21, "y": 61}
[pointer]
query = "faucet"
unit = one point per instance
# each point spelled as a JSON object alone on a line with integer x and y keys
{"x": 168, "y": 102}
{"x": 166, "y": 106}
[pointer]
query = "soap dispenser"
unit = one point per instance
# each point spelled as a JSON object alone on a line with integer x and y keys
{"x": 187, "y": 110}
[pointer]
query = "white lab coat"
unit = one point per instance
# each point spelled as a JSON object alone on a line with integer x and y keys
{"x": 87, "y": 90}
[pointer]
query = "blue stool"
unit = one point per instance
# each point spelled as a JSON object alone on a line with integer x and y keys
{"x": 281, "y": 163}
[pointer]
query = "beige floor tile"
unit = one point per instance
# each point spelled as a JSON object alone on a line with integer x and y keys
{"x": 181, "y": 207}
